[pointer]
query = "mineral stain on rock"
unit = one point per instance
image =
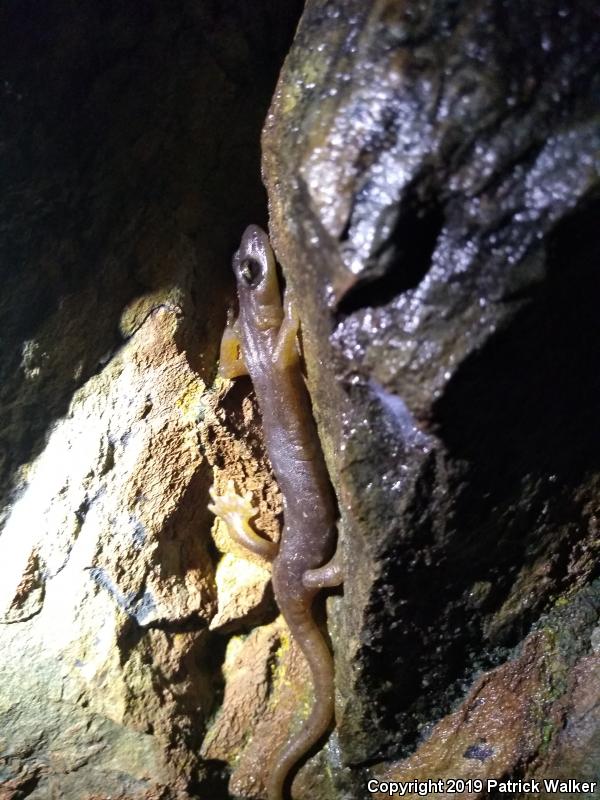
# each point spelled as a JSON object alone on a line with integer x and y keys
{"x": 480, "y": 751}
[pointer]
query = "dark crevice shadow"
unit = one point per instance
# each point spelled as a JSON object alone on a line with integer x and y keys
{"x": 213, "y": 781}
{"x": 526, "y": 405}
{"x": 520, "y": 461}
{"x": 519, "y": 422}
{"x": 401, "y": 262}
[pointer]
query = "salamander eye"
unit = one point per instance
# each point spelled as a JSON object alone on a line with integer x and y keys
{"x": 250, "y": 271}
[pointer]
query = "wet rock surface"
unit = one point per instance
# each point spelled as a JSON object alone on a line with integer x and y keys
{"x": 511, "y": 722}
{"x": 433, "y": 174}
{"x": 432, "y": 170}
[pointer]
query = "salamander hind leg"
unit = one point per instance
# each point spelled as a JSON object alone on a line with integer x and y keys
{"x": 237, "y": 511}
{"x": 328, "y": 576}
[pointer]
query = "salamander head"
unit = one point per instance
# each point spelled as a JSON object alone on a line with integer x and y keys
{"x": 256, "y": 275}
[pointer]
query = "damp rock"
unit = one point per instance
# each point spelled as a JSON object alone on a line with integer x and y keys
{"x": 433, "y": 173}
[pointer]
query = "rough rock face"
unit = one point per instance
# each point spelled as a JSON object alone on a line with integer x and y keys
{"x": 129, "y": 142}
{"x": 433, "y": 175}
{"x": 531, "y": 713}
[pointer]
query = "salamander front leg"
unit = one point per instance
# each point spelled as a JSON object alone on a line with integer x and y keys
{"x": 236, "y": 511}
{"x": 328, "y": 576}
{"x": 286, "y": 350}
{"x": 231, "y": 363}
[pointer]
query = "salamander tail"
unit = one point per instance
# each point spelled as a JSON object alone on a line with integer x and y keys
{"x": 316, "y": 652}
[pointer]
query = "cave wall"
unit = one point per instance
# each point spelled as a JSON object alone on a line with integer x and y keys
{"x": 432, "y": 171}
{"x": 433, "y": 176}
{"x": 130, "y": 153}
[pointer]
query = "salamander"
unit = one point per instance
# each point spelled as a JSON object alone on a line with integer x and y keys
{"x": 262, "y": 342}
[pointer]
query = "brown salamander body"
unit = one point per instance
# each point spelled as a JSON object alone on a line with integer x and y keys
{"x": 262, "y": 343}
